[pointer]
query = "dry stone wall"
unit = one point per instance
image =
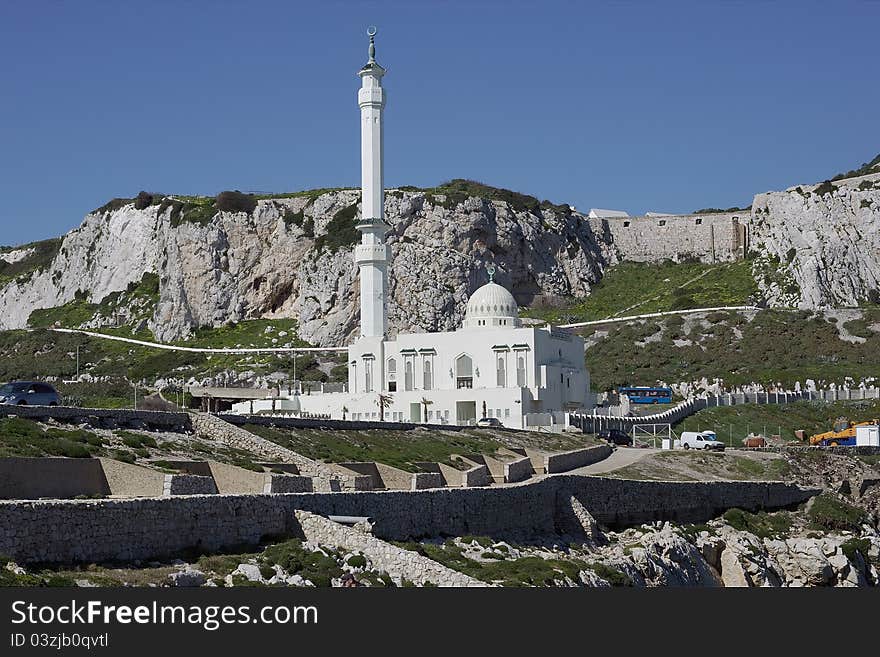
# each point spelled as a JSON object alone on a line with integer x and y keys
{"x": 95, "y": 530}
{"x": 186, "y": 484}
{"x": 565, "y": 461}
{"x": 101, "y": 417}
{"x": 215, "y": 428}
{"x": 401, "y": 564}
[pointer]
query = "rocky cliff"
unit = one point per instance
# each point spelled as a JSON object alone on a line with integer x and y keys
{"x": 291, "y": 257}
{"x": 818, "y": 246}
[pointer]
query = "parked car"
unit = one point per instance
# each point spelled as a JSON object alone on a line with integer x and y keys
{"x": 489, "y": 422}
{"x": 701, "y": 440}
{"x": 616, "y": 436}
{"x": 29, "y": 393}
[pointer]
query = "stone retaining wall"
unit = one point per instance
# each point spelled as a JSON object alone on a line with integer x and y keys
{"x": 276, "y": 483}
{"x": 97, "y": 530}
{"x": 215, "y": 428}
{"x": 425, "y": 480}
{"x": 102, "y": 417}
{"x": 477, "y": 476}
{"x": 32, "y": 478}
{"x": 565, "y": 461}
{"x": 399, "y": 563}
{"x": 518, "y": 470}
{"x": 187, "y": 484}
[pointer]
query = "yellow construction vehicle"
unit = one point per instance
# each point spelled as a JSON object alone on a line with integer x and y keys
{"x": 843, "y": 433}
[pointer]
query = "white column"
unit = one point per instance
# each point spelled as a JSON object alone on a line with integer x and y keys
{"x": 371, "y": 254}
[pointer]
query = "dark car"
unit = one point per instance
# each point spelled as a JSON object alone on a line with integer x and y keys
{"x": 29, "y": 393}
{"x": 615, "y": 436}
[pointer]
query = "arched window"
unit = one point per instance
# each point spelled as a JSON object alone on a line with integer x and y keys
{"x": 408, "y": 375}
{"x": 427, "y": 374}
{"x": 501, "y": 372}
{"x": 392, "y": 375}
{"x": 354, "y": 377}
{"x": 521, "y": 371}
{"x": 464, "y": 372}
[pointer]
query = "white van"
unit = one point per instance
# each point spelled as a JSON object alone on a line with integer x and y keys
{"x": 701, "y": 440}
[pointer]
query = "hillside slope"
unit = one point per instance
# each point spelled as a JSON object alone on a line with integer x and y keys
{"x": 237, "y": 257}
{"x": 291, "y": 257}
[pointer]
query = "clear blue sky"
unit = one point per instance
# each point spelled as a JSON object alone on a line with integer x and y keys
{"x": 632, "y": 105}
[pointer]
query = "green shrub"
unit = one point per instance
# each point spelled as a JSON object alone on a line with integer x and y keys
{"x": 761, "y": 524}
{"x": 825, "y": 188}
{"x": 854, "y": 546}
{"x": 236, "y": 202}
{"x": 611, "y": 575}
{"x": 866, "y": 168}
{"x": 828, "y": 512}
{"x": 357, "y": 561}
{"x": 340, "y": 232}
{"x": 143, "y": 200}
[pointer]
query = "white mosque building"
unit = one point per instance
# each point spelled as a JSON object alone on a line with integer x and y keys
{"x": 492, "y": 366}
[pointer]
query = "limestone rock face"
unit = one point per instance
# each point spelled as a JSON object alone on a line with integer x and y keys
{"x": 106, "y": 253}
{"x": 827, "y": 244}
{"x": 292, "y": 258}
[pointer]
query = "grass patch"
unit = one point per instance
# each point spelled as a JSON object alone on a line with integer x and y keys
{"x": 811, "y": 416}
{"x": 635, "y": 288}
{"x": 41, "y": 256}
{"x": 854, "y": 546}
{"x": 20, "y": 437}
{"x": 761, "y": 524}
{"x": 401, "y": 449}
{"x": 829, "y": 513}
{"x": 773, "y": 347}
{"x": 525, "y": 571}
{"x": 295, "y": 559}
{"x": 340, "y": 232}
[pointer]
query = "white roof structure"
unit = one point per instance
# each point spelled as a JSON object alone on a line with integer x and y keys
{"x": 660, "y": 214}
{"x": 596, "y": 213}
{"x": 491, "y": 305}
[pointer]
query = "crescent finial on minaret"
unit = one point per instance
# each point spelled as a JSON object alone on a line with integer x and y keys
{"x": 371, "y": 32}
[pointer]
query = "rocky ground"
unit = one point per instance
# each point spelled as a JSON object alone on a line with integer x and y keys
{"x": 832, "y": 540}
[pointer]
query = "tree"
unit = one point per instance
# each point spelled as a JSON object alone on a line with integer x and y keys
{"x": 383, "y": 402}
{"x": 344, "y": 411}
{"x": 425, "y": 403}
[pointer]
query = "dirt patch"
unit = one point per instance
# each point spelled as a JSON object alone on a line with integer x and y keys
{"x": 707, "y": 466}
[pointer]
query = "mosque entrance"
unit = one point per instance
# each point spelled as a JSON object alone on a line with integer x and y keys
{"x": 415, "y": 412}
{"x": 465, "y": 412}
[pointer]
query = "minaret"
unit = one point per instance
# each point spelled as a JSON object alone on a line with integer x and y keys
{"x": 371, "y": 254}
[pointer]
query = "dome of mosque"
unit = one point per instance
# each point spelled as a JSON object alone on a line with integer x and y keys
{"x": 491, "y": 305}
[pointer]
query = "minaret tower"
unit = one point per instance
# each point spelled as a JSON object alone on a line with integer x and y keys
{"x": 371, "y": 255}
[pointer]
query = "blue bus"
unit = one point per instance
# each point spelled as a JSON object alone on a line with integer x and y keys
{"x": 647, "y": 395}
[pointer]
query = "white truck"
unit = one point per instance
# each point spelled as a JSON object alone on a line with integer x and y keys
{"x": 701, "y": 440}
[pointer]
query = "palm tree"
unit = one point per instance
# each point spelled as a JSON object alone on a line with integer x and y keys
{"x": 426, "y": 402}
{"x": 383, "y": 402}
{"x": 344, "y": 411}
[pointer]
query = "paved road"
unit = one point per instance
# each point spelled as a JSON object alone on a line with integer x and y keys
{"x": 620, "y": 457}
